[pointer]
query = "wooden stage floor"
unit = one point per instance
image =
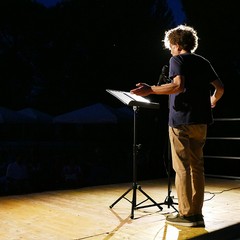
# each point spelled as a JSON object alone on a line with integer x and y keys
{"x": 85, "y": 213}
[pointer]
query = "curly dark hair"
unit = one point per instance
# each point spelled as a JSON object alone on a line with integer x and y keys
{"x": 185, "y": 36}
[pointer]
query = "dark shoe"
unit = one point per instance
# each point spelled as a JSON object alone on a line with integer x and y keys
{"x": 200, "y": 220}
{"x": 182, "y": 220}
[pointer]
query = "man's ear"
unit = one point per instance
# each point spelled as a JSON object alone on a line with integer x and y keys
{"x": 179, "y": 48}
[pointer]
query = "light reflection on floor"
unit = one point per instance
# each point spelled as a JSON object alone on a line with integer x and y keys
{"x": 181, "y": 233}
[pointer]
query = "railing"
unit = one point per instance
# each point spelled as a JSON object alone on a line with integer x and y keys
{"x": 228, "y": 144}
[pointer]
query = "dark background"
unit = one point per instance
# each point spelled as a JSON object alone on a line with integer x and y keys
{"x": 63, "y": 58}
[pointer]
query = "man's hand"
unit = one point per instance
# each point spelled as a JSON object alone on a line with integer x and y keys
{"x": 213, "y": 101}
{"x": 142, "y": 89}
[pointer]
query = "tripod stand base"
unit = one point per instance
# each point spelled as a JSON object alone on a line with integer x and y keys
{"x": 169, "y": 202}
{"x": 136, "y": 206}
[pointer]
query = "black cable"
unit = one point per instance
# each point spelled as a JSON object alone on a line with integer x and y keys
{"x": 219, "y": 192}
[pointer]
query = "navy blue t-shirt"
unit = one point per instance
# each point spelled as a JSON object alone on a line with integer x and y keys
{"x": 192, "y": 106}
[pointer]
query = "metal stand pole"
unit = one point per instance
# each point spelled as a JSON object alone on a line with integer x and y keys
{"x": 135, "y": 185}
{"x": 169, "y": 200}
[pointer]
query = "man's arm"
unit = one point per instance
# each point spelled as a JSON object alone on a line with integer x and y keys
{"x": 218, "y": 92}
{"x": 176, "y": 86}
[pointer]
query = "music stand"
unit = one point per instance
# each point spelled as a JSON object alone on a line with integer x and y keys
{"x": 136, "y": 102}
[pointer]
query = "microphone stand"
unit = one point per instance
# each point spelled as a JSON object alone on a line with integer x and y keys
{"x": 163, "y": 79}
{"x": 169, "y": 199}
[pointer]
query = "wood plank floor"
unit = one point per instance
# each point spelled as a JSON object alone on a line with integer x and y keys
{"x": 85, "y": 213}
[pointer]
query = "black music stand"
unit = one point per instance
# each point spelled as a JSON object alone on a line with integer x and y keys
{"x": 136, "y": 102}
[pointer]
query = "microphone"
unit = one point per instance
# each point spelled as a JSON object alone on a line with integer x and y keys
{"x": 163, "y": 78}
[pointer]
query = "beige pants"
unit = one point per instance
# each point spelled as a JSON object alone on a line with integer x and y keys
{"x": 187, "y": 144}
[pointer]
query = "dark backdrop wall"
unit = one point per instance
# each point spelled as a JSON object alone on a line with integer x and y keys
{"x": 218, "y": 27}
{"x": 63, "y": 58}
{"x": 60, "y": 58}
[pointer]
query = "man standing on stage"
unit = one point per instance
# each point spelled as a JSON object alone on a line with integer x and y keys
{"x": 194, "y": 89}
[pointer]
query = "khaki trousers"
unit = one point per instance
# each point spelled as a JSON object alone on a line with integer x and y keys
{"x": 187, "y": 144}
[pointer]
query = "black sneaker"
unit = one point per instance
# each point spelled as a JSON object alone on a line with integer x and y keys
{"x": 200, "y": 220}
{"x": 182, "y": 220}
